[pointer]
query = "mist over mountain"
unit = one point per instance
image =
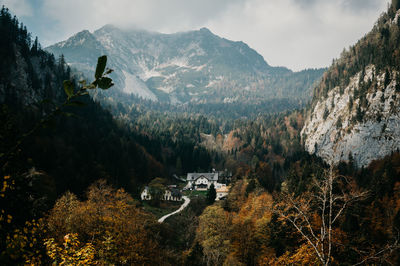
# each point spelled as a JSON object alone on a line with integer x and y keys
{"x": 96, "y": 174}
{"x": 195, "y": 66}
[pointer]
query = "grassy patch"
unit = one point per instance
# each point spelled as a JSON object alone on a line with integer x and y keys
{"x": 194, "y": 193}
{"x": 164, "y": 208}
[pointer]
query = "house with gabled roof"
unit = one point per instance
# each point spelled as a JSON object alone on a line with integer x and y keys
{"x": 170, "y": 194}
{"x": 201, "y": 181}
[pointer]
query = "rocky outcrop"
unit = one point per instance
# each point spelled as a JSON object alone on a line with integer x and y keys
{"x": 345, "y": 123}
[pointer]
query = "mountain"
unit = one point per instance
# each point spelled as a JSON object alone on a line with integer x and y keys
{"x": 73, "y": 150}
{"x": 195, "y": 66}
{"x": 354, "y": 114}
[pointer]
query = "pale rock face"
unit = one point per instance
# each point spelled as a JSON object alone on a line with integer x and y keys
{"x": 188, "y": 67}
{"x": 136, "y": 86}
{"x": 375, "y": 137}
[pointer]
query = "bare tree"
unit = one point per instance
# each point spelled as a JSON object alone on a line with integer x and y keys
{"x": 381, "y": 256}
{"x": 331, "y": 196}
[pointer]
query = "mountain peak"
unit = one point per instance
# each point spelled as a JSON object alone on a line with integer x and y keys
{"x": 181, "y": 67}
{"x": 108, "y": 27}
{"x": 82, "y": 33}
{"x": 205, "y": 30}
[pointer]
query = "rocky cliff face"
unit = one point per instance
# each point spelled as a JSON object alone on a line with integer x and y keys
{"x": 30, "y": 79}
{"x": 340, "y": 126}
{"x": 355, "y": 113}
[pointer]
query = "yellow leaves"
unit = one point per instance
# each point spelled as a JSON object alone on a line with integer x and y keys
{"x": 23, "y": 243}
{"x": 110, "y": 221}
{"x": 304, "y": 255}
{"x": 9, "y": 218}
{"x": 213, "y": 234}
{"x": 72, "y": 252}
{"x": 7, "y": 185}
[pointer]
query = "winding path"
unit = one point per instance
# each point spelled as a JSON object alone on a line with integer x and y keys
{"x": 183, "y": 206}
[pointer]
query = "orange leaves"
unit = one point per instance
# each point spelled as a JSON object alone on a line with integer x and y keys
{"x": 110, "y": 220}
{"x": 72, "y": 252}
{"x": 25, "y": 243}
{"x": 304, "y": 255}
{"x": 249, "y": 227}
{"x": 8, "y": 184}
{"x": 256, "y": 207}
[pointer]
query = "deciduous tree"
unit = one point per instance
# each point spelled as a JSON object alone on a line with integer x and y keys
{"x": 315, "y": 213}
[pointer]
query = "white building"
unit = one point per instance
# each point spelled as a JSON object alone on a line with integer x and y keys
{"x": 201, "y": 181}
{"x": 222, "y": 191}
{"x": 171, "y": 194}
{"x": 145, "y": 195}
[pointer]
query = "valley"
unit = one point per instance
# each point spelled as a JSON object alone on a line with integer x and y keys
{"x": 131, "y": 147}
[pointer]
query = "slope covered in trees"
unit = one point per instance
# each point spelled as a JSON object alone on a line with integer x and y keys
{"x": 73, "y": 151}
{"x": 380, "y": 47}
{"x": 354, "y": 112}
{"x": 278, "y": 211}
{"x": 76, "y": 150}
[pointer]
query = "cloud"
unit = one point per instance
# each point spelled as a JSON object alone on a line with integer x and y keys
{"x": 172, "y": 15}
{"x": 294, "y": 33}
{"x": 355, "y": 5}
{"x": 21, "y": 7}
{"x": 299, "y": 33}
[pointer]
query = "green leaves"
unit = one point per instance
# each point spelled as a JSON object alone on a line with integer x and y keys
{"x": 68, "y": 88}
{"x": 101, "y": 66}
{"x": 101, "y": 81}
{"x": 105, "y": 83}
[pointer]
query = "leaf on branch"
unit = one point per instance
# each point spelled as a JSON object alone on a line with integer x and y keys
{"x": 108, "y": 71}
{"x": 81, "y": 93}
{"x": 91, "y": 85}
{"x": 105, "y": 83}
{"x": 101, "y": 66}
{"x": 68, "y": 88}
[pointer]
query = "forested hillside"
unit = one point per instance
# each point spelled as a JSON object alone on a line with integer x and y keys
{"x": 75, "y": 158}
{"x": 355, "y": 108}
{"x": 51, "y": 145}
{"x": 72, "y": 151}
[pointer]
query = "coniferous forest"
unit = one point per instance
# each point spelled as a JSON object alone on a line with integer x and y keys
{"x": 76, "y": 154}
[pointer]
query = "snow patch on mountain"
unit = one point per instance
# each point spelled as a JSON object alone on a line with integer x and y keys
{"x": 174, "y": 100}
{"x": 106, "y": 41}
{"x": 168, "y": 63}
{"x": 167, "y": 89}
{"x": 136, "y": 86}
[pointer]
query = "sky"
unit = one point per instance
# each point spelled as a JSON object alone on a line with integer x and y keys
{"x": 297, "y": 34}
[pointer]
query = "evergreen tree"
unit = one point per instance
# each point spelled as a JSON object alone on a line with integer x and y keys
{"x": 211, "y": 195}
{"x": 179, "y": 166}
